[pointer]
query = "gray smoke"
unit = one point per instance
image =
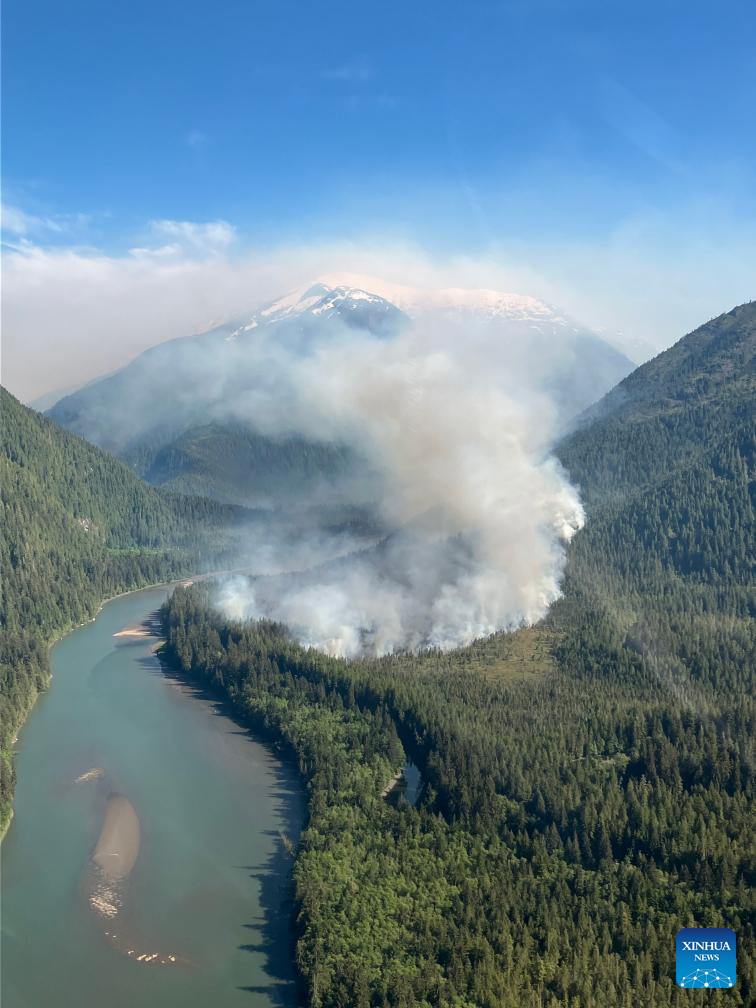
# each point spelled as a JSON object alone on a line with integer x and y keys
{"x": 456, "y": 441}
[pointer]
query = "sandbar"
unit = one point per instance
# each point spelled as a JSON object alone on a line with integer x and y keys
{"x": 138, "y": 631}
{"x": 88, "y": 775}
{"x": 118, "y": 845}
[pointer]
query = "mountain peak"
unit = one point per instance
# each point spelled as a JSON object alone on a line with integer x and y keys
{"x": 320, "y": 299}
{"x": 480, "y": 301}
{"x": 364, "y": 301}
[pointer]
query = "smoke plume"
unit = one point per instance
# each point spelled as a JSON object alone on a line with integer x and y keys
{"x": 456, "y": 444}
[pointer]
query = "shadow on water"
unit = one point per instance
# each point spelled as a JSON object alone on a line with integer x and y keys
{"x": 276, "y": 888}
{"x": 276, "y": 899}
{"x": 274, "y": 875}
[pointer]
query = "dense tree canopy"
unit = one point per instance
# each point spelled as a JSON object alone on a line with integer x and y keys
{"x": 588, "y": 785}
{"x": 77, "y": 527}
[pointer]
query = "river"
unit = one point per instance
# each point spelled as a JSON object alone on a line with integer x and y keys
{"x": 199, "y": 888}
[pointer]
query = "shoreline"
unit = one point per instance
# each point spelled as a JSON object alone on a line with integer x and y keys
{"x": 136, "y": 904}
{"x": 59, "y": 636}
{"x": 56, "y": 639}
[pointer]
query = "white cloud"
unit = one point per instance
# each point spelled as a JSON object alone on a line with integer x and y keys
{"x": 186, "y": 238}
{"x": 71, "y": 314}
{"x": 17, "y": 222}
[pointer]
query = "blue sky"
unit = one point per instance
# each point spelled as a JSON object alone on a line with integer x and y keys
{"x": 454, "y": 123}
{"x": 601, "y": 151}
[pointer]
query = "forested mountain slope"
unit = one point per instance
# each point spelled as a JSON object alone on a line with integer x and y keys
{"x": 232, "y": 463}
{"x": 195, "y": 413}
{"x": 580, "y": 805}
{"x": 672, "y": 413}
{"x": 666, "y": 468}
{"x": 77, "y": 526}
{"x": 717, "y": 356}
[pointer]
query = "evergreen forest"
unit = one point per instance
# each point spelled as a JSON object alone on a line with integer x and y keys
{"x": 78, "y": 527}
{"x": 587, "y": 783}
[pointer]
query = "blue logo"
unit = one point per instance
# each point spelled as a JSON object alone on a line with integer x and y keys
{"x": 706, "y": 957}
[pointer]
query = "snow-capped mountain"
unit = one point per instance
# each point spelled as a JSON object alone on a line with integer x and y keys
{"x": 483, "y": 303}
{"x": 323, "y": 301}
{"x": 365, "y": 300}
{"x": 183, "y": 406}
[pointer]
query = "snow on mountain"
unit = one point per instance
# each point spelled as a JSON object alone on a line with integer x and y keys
{"x": 322, "y": 300}
{"x": 521, "y": 341}
{"x": 349, "y": 295}
{"x": 484, "y": 303}
{"x": 523, "y": 336}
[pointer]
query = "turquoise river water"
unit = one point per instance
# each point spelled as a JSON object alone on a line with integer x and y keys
{"x": 196, "y": 912}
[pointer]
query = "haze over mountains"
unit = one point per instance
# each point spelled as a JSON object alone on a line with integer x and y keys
{"x": 213, "y": 413}
{"x": 593, "y": 745}
{"x": 424, "y": 420}
{"x": 589, "y": 781}
{"x": 350, "y": 401}
{"x": 665, "y": 462}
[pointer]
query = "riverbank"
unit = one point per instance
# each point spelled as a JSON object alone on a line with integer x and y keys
{"x": 58, "y": 635}
{"x": 212, "y": 874}
{"x": 49, "y": 644}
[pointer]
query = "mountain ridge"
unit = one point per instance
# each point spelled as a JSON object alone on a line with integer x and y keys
{"x": 655, "y": 405}
{"x": 172, "y": 392}
{"x": 587, "y": 783}
{"x": 79, "y": 526}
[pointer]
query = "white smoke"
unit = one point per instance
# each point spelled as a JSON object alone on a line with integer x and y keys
{"x": 459, "y": 443}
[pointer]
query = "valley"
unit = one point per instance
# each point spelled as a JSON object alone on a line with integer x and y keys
{"x": 192, "y": 913}
{"x": 378, "y": 505}
{"x": 154, "y": 412}
{"x": 568, "y": 768}
{"x": 551, "y": 798}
